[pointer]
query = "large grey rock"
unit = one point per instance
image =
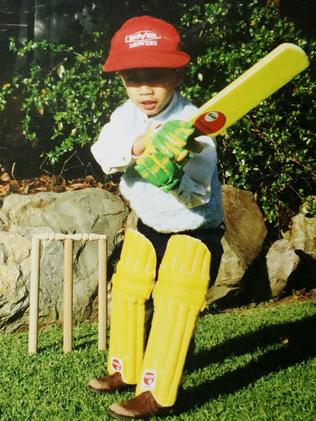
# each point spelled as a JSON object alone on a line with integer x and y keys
{"x": 302, "y": 234}
{"x": 84, "y": 211}
{"x": 282, "y": 261}
{"x": 242, "y": 242}
{"x": 291, "y": 262}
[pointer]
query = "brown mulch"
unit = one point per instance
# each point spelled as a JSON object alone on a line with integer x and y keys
{"x": 49, "y": 183}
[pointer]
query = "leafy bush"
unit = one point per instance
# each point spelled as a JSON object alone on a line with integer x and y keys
{"x": 271, "y": 150}
{"x": 66, "y": 98}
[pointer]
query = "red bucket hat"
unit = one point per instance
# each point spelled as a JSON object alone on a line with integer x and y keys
{"x": 146, "y": 42}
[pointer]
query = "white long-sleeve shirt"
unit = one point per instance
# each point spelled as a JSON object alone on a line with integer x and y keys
{"x": 195, "y": 203}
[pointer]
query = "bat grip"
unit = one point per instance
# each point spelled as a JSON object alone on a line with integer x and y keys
{"x": 192, "y": 144}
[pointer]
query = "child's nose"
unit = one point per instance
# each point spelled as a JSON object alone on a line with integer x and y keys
{"x": 145, "y": 89}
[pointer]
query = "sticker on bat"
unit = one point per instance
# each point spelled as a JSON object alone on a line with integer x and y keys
{"x": 211, "y": 122}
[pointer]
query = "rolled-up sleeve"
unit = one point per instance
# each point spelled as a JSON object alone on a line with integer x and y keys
{"x": 112, "y": 150}
{"x": 195, "y": 186}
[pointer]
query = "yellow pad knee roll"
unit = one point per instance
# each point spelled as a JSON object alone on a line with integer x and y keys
{"x": 179, "y": 295}
{"x": 132, "y": 283}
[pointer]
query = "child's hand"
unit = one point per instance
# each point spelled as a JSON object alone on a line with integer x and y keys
{"x": 142, "y": 142}
{"x": 167, "y": 151}
{"x": 159, "y": 170}
{"x": 139, "y": 146}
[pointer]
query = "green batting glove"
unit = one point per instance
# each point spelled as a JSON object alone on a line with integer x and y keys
{"x": 171, "y": 139}
{"x": 159, "y": 170}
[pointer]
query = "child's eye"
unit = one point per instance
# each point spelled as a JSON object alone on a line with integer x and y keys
{"x": 139, "y": 80}
{"x": 132, "y": 79}
{"x": 148, "y": 77}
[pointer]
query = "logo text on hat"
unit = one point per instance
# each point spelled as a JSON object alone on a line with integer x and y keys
{"x": 142, "y": 38}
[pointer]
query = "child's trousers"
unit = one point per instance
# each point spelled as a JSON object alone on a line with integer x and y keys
{"x": 211, "y": 237}
{"x": 184, "y": 269}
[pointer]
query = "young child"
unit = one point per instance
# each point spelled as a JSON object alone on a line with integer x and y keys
{"x": 176, "y": 195}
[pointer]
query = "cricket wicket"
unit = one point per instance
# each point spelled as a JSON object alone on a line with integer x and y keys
{"x": 68, "y": 287}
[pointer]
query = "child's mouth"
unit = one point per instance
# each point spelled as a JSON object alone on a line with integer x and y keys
{"x": 148, "y": 105}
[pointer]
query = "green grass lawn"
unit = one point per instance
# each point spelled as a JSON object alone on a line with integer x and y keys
{"x": 256, "y": 363}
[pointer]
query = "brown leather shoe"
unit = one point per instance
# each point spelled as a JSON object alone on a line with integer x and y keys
{"x": 143, "y": 406}
{"x": 107, "y": 384}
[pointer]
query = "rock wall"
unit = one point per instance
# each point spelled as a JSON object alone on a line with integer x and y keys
{"x": 289, "y": 262}
{"x": 84, "y": 211}
{"x": 242, "y": 242}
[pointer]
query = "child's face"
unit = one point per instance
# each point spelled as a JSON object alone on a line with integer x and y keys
{"x": 151, "y": 89}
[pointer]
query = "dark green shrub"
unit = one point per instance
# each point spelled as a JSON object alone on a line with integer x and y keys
{"x": 271, "y": 150}
{"x": 66, "y": 97}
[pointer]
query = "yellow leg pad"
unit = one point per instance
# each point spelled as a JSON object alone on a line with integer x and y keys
{"x": 132, "y": 283}
{"x": 178, "y": 297}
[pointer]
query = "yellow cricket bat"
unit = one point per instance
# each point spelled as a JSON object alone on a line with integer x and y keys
{"x": 260, "y": 81}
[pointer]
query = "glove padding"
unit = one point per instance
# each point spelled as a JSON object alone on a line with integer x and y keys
{"x": 171, "y": 139}
{"x": 159, "y": 170}
{"x": 165, "y": 155}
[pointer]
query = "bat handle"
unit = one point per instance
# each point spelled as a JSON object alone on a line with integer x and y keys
{"x": 194, "y": 145}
